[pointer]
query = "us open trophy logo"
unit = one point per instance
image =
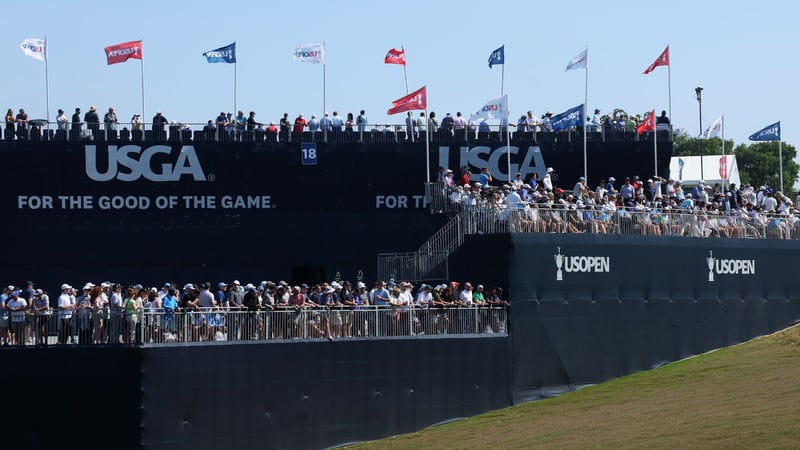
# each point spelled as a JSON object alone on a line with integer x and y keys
{"x": 710, "y": 260}
{"x": 559, "y": 263}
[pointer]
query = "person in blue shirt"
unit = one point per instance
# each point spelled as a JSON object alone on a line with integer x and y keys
{"x": 170, "y": 304}
{"x": 381, "y": 299}
{"x": 483, "y": 127}
{"x": 325, "y": 123}
{"x": 313, "y": 124}
{"x": 485, "y": 177}
{"x": 336, "y": 122}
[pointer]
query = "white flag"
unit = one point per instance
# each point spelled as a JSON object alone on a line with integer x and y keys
{"x": 715, "y": 130}
{"x": 310, "y": 53}
{"x": 579, "y": 61}
{"x": 35, "y": 48}
{"x": 496, "y": 108}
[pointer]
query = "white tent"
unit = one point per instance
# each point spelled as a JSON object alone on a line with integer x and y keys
{"x": 686, "y": 169}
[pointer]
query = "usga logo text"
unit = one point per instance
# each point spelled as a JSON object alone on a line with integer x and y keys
{"x": 129, "y": 163}
{"x": 596, "y": 264}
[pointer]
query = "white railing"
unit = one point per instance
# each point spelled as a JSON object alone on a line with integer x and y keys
{"x": 159, "y": 326}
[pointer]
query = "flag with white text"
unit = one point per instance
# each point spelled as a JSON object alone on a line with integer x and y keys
{"x": 496, "y": 108}
{"x": 414, "y": 101}
{"x": 123, "y": 52}
{"x": 225, "y": 54}
{"x": 662, "y": 60}
{"x": 572, "y": 117}
{"x": 395, "y": 56}
{"x": 579, "y": 61}
{"x": 768, "y": 133}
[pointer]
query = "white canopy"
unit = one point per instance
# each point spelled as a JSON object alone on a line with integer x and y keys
{"x": 686, "y": 169}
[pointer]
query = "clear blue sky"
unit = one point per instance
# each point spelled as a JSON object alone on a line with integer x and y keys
{"x": 743, "y": 55}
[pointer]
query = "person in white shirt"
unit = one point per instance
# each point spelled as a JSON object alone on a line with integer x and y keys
{"x": 547, "y": 180}
{"x": 62, "y": 120}
{"x": 65, "y": 309}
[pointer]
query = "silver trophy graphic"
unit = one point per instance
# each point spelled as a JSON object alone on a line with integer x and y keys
{"x": 710, "y": 260}
{"x": 559, "y": 263}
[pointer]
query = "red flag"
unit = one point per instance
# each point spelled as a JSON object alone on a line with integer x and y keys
{"x": 415, "y": 100}
{"x": 122, "y": 52}
{"x": 662, "y": 60}
{"x": 649, "y": 123}
{"x": 395, "y": 56}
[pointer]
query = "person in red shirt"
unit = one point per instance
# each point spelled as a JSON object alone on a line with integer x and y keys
{"x": 299, "y": 124}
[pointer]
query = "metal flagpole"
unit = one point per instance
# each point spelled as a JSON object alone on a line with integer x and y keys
{"x": 141, "y": 60}
{"x": 405, "y": 74}
{"x": 655, "y": 146}
{"x": 669, "y": 91}
{"x": 46, "y": 82}
{"x": 235, "y": 81}
{"x": 503, "y": 71}
{"x": 508, "y": 141}
{"x": 780, "y": 161}
{"x": 324, "y": 63}
{"x": 427, "y": 146}
{"x": 722, "y": 134}
{"x": 585, "y": 127}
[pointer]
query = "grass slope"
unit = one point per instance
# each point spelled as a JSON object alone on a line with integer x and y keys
{"x": 746, "y": 396}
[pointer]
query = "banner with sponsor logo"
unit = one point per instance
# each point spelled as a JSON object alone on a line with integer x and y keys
{"x": 310, "y": 53}
{"x": 395, "y": 56}
{"x": 572, "y": 117}
{"x": 496, "y": 108}
{"x": 225, "y": 54}
{"x": 768, "y": 133}
{"x": 123, "y": 52}
{"x": 35, "y": 48}
{"x": 416, "y": 100}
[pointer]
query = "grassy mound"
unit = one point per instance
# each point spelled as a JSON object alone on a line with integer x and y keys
{"x": 746, "y": 396}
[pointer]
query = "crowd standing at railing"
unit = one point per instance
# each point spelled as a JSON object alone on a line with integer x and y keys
{"x": 110, "y": 314}
{"x": 655, "y": 206}
{"x": 230, "y": 127}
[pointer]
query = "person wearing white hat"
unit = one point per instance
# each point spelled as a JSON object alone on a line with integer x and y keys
{"x": 65, "y": 308}
{"x": 547, "y": 180}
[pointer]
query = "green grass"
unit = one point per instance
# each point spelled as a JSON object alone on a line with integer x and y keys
{"x": 746, "y": 396}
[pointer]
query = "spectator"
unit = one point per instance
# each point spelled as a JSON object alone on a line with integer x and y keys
{"x": 299, "y": 124}
{"x": 348, "y": 124}
{"x": 62, "y": 120}
{"x": 110, "y": 121}
{"x": 22, "y": 124}
{"x": 92, "y": 122}
{"x": 136, "y": 122}
{"x": 361, "y": 121}
{"x": 337, "y": 124}
{"x": 313, "y": 124}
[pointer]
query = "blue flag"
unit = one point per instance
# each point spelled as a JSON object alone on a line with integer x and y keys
{"x": 768, "y": 133}
{"x": 225, "y": 54}
{"x": 498, "y": 56}
{"x": 572, "y": 117}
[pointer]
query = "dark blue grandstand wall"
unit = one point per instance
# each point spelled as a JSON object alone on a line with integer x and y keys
{"x": 629, "y": 303}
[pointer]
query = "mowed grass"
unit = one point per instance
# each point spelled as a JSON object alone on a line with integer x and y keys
{"x": 746, "y": 396}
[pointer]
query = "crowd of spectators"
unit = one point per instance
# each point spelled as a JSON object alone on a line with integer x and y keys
{"x": 655, "y": 206}
{"x": 112, "y": 314}
{"x": 227, "y": 126}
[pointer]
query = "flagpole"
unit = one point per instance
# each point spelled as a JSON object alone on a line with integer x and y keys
{"x": 780, "y": 160}
{"x": 585, "y": 105}
{"x": 235, "y": 81}
{"x": 722, "y": 134}
{"x": 508, "y": 141}
{"x": 669, "y": 93}
{"x": 324, "y": 106}
{"x": 405, "y": 74}
{"x": 46, "y": 83}
{"x": 427, "y": 145}
{"x": 655, "y": 148}
{"x": 141, "y": 60}
{"x": 503, "y": 71}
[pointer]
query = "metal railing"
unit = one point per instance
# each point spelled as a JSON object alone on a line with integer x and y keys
{"x": 536, "y": 218}
{"x": 159, "y": 326}
{"x": 40, "y": 130}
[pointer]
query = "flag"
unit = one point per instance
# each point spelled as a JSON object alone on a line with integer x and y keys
{"x": 579, "y": 61}
{"x": 35, "y": 48}
{"x": 768, "y": 133}
{"x": 310, "y": 53}
{"x": 662, "y": 60}
{"x": 225, "y": 54}
{"x": 415, "y": 100}
{"x": 572, "y": 117}
{"x": 122, "y": 52}
{"x": 498, "y": 56}
{"x": 496, "y": 108}
{"x": 395, "y": 56}
{"x": 649, "y": 123}
{"x": 715, "y": 130}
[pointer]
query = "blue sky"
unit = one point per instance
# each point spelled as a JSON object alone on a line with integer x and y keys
{"x": 743, "y": 55}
